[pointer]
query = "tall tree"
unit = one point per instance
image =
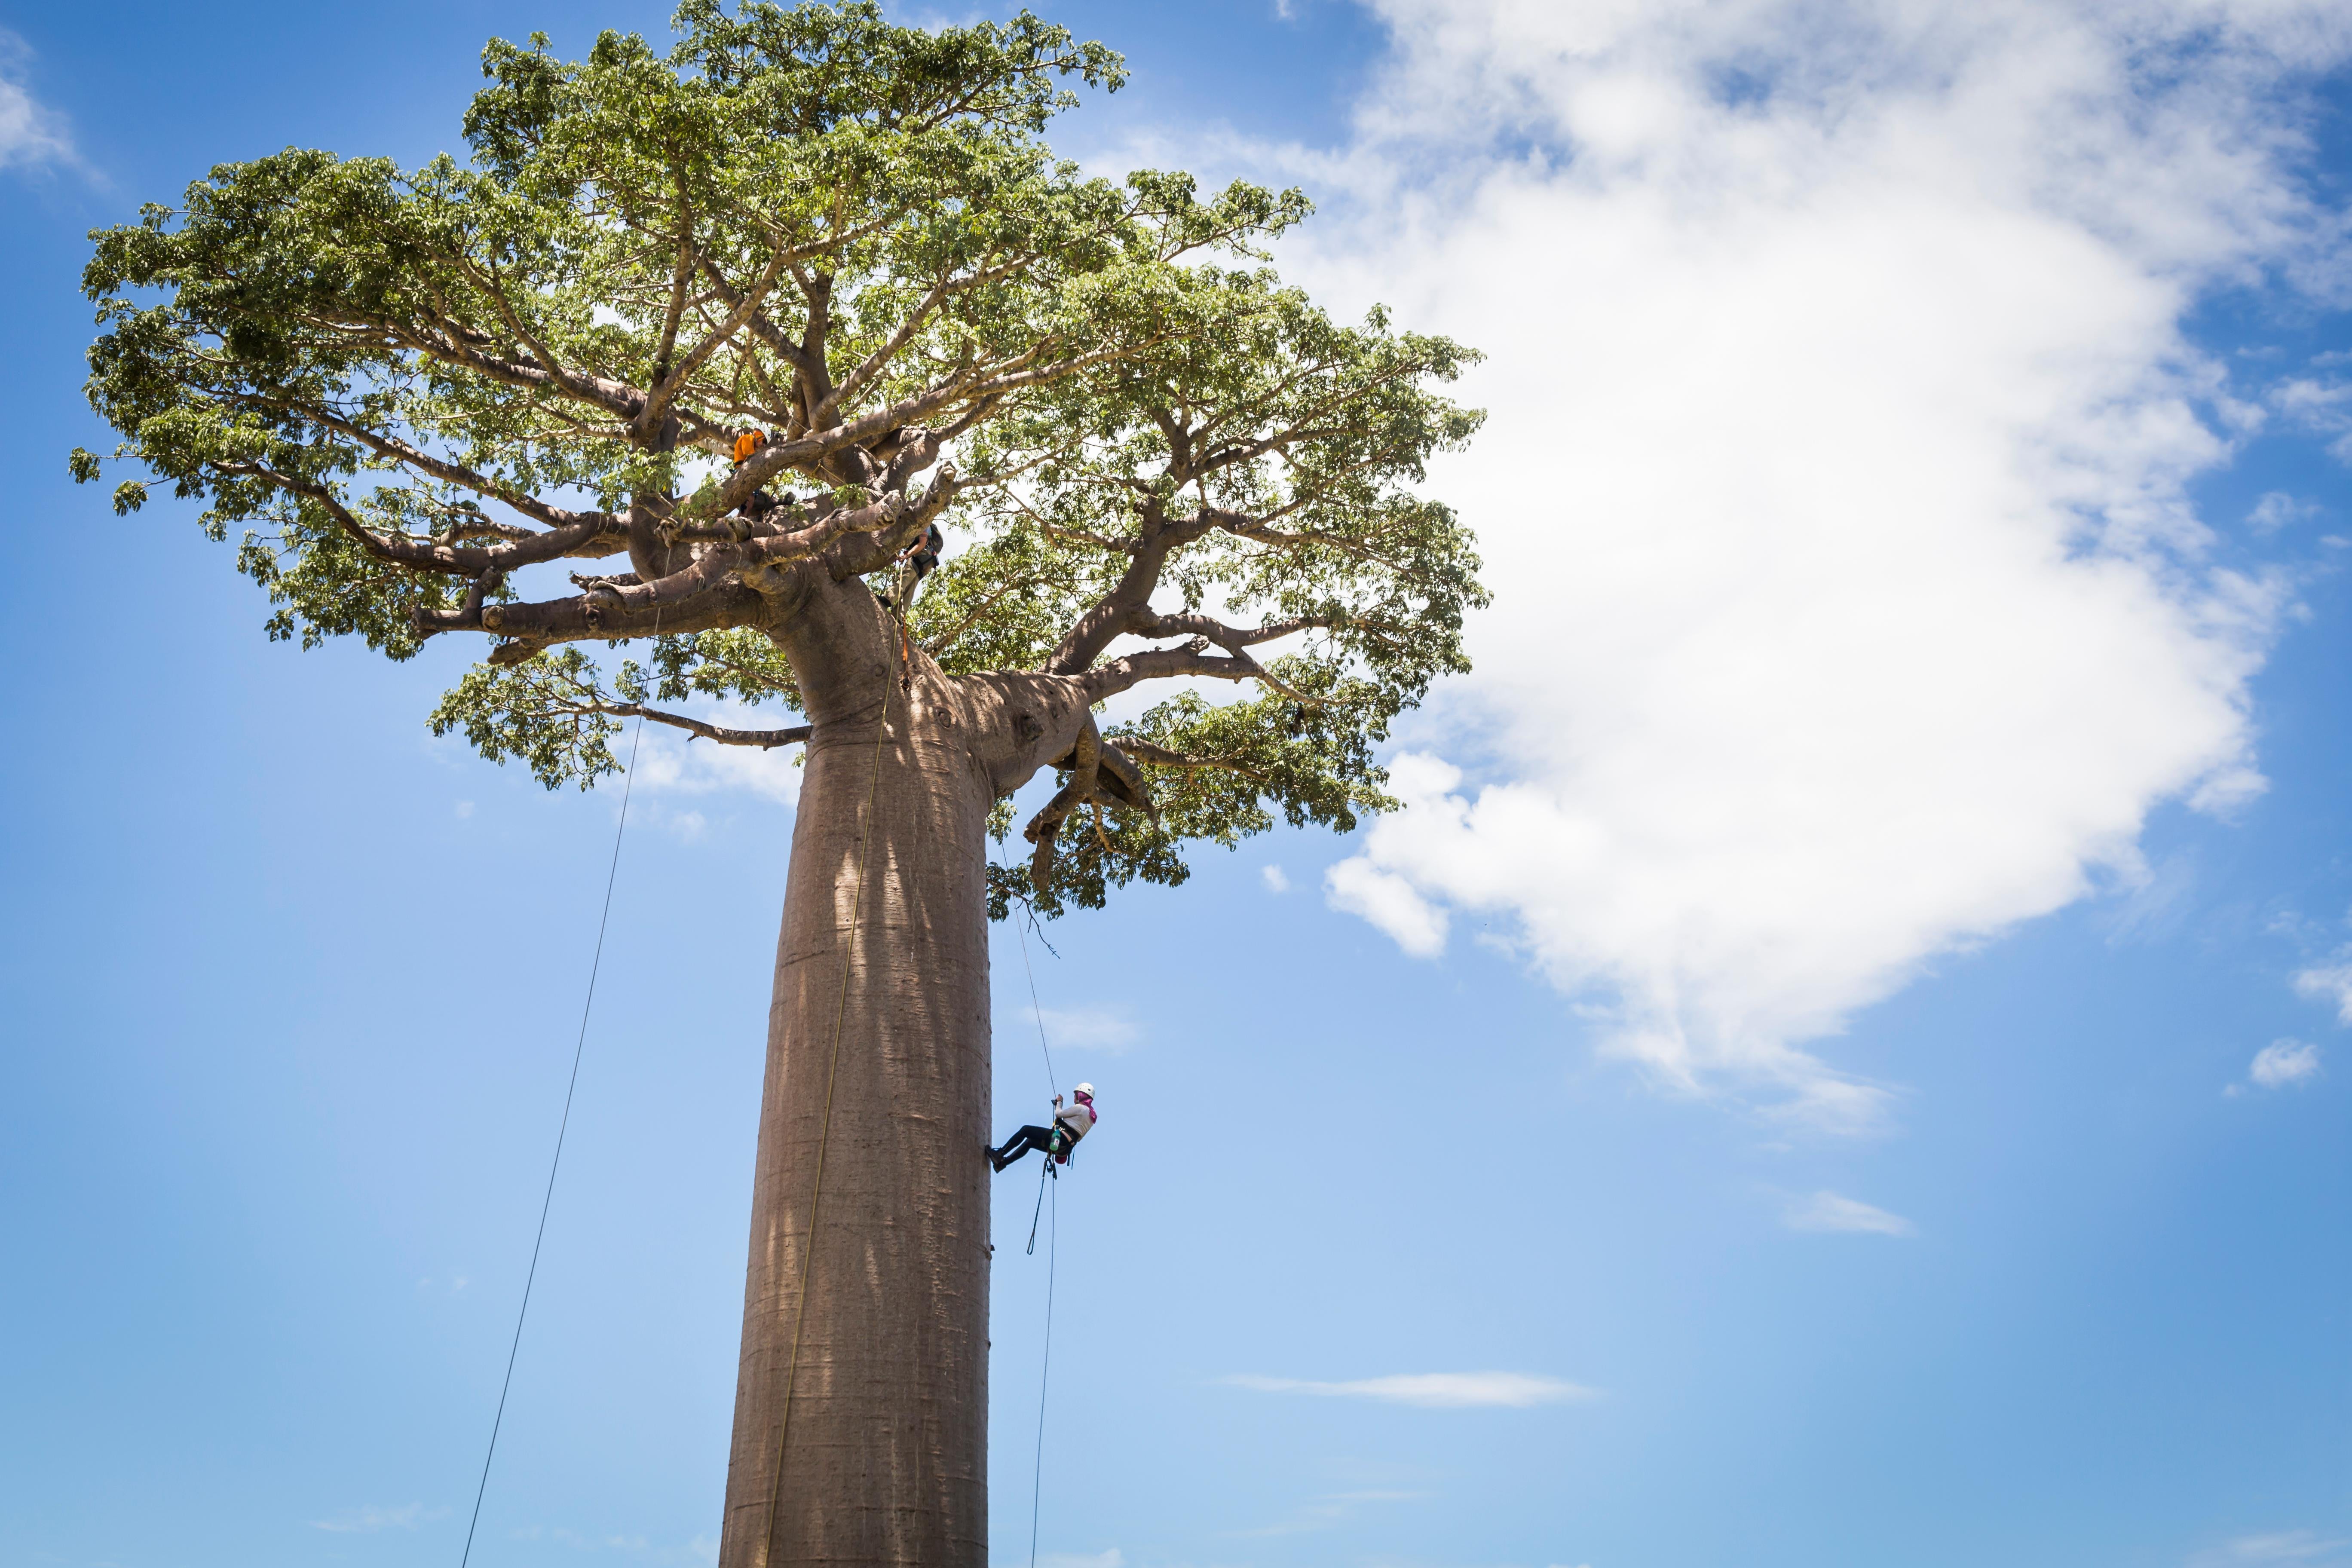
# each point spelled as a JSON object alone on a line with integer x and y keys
{"x": 421, "y": 392}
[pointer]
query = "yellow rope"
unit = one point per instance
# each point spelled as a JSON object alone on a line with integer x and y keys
{"x": 825, "y": 1138}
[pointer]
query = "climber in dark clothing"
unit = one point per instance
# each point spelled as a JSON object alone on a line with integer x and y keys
{"x": 924, "y": 553}
{"x": 921, "y": 558}
{"x": 1068, "y": 1126}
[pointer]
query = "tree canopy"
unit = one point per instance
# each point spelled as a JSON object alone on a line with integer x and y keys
{"x": 419, "y": 395}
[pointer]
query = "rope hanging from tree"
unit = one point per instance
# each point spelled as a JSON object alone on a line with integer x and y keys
{"x": 596, "y": 963}
{"x": 1053, "y": 1237}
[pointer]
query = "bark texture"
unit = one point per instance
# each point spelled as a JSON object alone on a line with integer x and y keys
{"x": 884, "y": 1457}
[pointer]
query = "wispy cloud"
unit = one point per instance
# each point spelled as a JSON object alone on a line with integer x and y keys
{"x": 1433, "y": 1390}
{"x": 2276, "y": 509}
{"x": 1388, "y": 900}
{"x": 2282, "y": 1064}
{"x": 31, "y": 133}
{"x": 370, "y": 1518}
{"x": 2321, "y": 405}
{"x": 1111, "y": 1030}
{"x": 671, "y": 762}
{"x": 2302, "y": 1547}
{"x": 1329, "y": 1510}
{"x": 2330, "y": 982}
{"x": 1109, "y": 1557}
{"x": 1276, "y": 881}
{"x": 1828, "y": 1211}
{"x": 699, "y": 1550}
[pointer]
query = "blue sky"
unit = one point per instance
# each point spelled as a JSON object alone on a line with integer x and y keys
{"x": 1850, "y": 1027}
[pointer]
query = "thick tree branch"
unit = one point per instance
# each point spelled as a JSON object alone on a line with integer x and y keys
{"x": 723, "y": 587}
{"x": 1158, "y": 756}
{"x": 531, "y": 627}
{"x": 576, "y": 532}
{"x": 399, "y": 550}
{"x": 805, "y": 451}
{"x": 766, "y": 740}
{"x": 1165, "y": 663}
{"x": 1231, "y": 638}
{"x": 1086, "y": 763}
{"x": 667, "y": 388}
{"x": 1106, "y": 620}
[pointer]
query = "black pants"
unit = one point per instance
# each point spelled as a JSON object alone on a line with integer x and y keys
{"x": 925, "y": 564}
{"x": 1017, "y": 1147}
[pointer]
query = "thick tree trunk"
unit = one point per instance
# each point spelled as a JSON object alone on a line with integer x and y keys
{"x": 875, "y": 1449}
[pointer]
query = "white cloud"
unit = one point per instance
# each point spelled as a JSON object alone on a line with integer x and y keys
{"x": 1329, "y": 1510}
{"x": 1828, "y": 1211}
{"x": 1111, "y": 1557}
{"x": 2291, "y": 1546}
{"x": 368, "y": 1520}
{"x": 31, "y": 133}
{"x": 2283, "y": 1063}
{"x": 1113, "y": 1030}
{"x": 1851, "y": 605}
{"x": 2319, "y": 404}
{"x": 1387, "y": 899}
{"x": 1275, "y": 881}
{"x": 2276, "y": 509}
{"x": 1433, "y": 1390}
{"x": 671, "y": 762}
{"x": 2329, "y": 983}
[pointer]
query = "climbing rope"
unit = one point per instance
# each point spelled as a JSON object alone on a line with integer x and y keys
{"x": 1037, "y": 1462}
{"x": 1044, "y": 1372}
{"x": 1046, "y": 1169}
{"x": 1046, "y": 1050}
{"x": 628, "y": 786}
{"x": 825, "y": 1137}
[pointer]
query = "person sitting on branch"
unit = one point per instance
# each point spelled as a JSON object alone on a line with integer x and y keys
{"x": 760, "y": 502}
{"x": 1069, "y": 1125}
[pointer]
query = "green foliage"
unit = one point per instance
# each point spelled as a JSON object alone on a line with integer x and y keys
{"x": 794, "y": 219}
{"x": 740, "y": 664}
{"x": 1310, "y": 761}
{"x": 543, "y": 712}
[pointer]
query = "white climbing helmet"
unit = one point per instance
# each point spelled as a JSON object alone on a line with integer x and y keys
{"x": 1086, "y": 1088}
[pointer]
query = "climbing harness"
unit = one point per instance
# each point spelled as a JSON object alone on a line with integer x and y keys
{"x": 1039, "y": 1012}
{"x": 825, "y": 1137}
{"x": 596, "y": 963}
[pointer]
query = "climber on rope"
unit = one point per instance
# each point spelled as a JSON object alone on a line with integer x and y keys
{"x": 1057, "y": 1139}
{"x": 921, "y": 558}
